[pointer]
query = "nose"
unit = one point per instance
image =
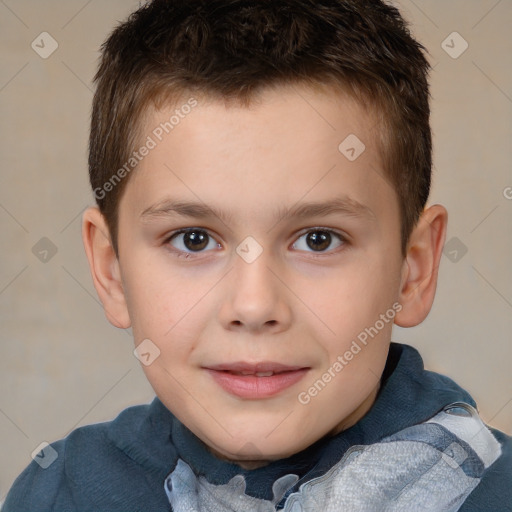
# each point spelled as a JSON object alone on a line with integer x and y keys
{"x": 255, "y": 299}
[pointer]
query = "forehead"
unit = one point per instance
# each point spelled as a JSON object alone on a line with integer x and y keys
{"x": 298, "y": 112}
{"x": 290, "y": 143}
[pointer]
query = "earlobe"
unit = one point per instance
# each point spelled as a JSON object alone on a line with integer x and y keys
{"x": 420, "y": 267}
{"x": 104, "y": 267}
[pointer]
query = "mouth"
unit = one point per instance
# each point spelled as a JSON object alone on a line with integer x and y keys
{"x": 256, "y": 381}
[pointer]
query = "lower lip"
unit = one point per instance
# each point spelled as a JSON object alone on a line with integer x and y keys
{"x": 252, "y": 387}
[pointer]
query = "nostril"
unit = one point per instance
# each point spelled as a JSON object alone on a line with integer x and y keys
{"x": 269, "y": 323}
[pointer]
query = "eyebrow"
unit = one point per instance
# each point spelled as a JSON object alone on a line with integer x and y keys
{"x": 197, "y": 210}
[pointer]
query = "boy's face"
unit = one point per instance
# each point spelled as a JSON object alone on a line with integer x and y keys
{"x": 214, "y": 305}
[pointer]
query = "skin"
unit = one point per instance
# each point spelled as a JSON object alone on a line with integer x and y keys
{"x": 294, "y": 305}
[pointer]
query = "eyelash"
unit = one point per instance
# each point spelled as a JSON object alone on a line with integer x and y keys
{"x": 187, "y": 255}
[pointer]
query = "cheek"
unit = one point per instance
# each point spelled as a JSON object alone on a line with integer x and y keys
{"x": 167, "y": 307}
{"x": 153, "y": 300}
{"x": 353, "y": 298}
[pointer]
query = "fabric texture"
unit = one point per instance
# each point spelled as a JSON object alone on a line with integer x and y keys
{"x": 137, "y": 461}
{"x": 430, "y": 467}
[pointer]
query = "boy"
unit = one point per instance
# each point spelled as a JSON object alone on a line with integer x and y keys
{"x": 261, "y": 171}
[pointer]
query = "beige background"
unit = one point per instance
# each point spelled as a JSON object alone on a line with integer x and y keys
{"x": 63, "y": 365}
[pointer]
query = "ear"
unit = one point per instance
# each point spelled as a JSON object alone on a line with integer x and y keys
{"x": 420, "y": 267}
{"x": 104, "y": 267}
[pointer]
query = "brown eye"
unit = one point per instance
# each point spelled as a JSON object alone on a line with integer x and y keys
{"x": 192, "y": 240}
{"x": 195, "y": 240}
{"x": 319, "y": 240}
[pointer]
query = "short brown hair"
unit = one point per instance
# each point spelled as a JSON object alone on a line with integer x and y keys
{"x": 233, "y": 49}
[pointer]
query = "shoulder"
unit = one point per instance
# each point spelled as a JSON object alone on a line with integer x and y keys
{"x": 93, "y": 468}
{"x": 40, "y": 487}
{"x": 495, "y": 490}
{"x": 47, "y": 482}
{"x": 413, "y": 395}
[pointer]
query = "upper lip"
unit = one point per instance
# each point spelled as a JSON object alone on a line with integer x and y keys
{"x": 260, "y": 367}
